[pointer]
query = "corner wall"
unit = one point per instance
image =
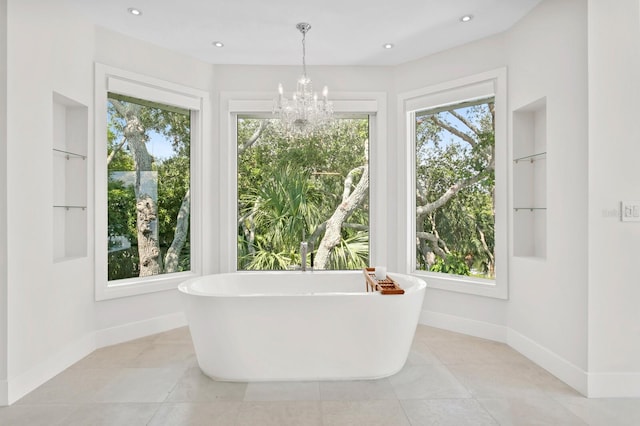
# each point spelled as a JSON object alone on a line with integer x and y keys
{"x": 50, "y": 304}
{"x": 52, "y": 319}
{"x": 136, "y": 56}
{"x": 476, "y": 315}
{"x": 614, "y": 151}
{"x": 545, "y": 317}
{"x": 547, "y": 57}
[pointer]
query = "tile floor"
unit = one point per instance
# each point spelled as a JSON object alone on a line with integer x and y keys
{"x": 449, "y": 379}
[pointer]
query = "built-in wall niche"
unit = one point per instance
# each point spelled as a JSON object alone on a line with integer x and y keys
{"x": 69, "y": 152}
{"x": 530, "y": 180}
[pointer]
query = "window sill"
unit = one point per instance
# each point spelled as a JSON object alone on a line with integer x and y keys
{"x": 461, "y": 284}
{"x": 137, "y": 286}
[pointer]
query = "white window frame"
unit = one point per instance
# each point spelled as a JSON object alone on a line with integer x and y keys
{"x": 478, "y": 86}
{"x": 233, "y": 104}
{"x": 115, "y": 80}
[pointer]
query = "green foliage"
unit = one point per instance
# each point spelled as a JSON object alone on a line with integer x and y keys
{"x": 444, "y": 160}
{"x": 173, "y": 178}
{"x": 121, "y": 211}
{"x": 287, "y": 188}
{"x": 266, "y": 259}
{"x": 454, "y": 263}
{"x": 351, "y": 253}
{"x": 166, "y": 130}
{"x": 123, "y": 263}
{"x": 282, "y": 209}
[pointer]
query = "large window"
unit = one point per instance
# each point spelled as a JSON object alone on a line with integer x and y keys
{"x": 148, "y": 208}
{"x": 456, "y": 198}
{"x": 148, "y": 172}
{"x": 455, "y": 183}
{"x": 293, "y": 190}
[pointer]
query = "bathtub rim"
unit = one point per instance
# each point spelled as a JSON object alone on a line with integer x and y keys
{"x": 186, "y": 288}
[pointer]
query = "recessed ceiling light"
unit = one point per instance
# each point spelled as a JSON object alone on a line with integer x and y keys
{"x": 388, "y": 45}
{"x": 466, "y": 18}
{"x": 218, "y": 44}
{"x": 134, "y": 11}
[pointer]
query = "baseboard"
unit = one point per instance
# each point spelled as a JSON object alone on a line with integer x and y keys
{"x": 556, "y": 365}
{"x": 564, "y": 370}
{"x": 482, "y": 329}
{"x": 4, "y": 393}
{"x": 14, "y": 389}
{"x": 135, "y": 330}
{"x": 52, "y": 366}
{"x": 614, "y": 385}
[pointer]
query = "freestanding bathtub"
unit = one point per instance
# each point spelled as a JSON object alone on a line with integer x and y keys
{"x": 314, "y": 325}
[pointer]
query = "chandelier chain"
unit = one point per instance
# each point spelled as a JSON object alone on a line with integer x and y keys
{"x": 304, "y": 54}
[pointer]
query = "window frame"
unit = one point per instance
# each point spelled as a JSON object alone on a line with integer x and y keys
{"x": 478, "y": 86}
{"x": 114, "y": 80}
{"x": 259, "y": 104}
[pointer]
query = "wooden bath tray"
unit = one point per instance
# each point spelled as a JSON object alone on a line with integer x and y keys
{"x": 386, "y": 286}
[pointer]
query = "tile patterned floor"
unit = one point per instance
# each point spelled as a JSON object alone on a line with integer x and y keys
{"x": 449, "y": 379}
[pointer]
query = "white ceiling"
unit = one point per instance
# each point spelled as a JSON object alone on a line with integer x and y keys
{"x": 344, "y": 32}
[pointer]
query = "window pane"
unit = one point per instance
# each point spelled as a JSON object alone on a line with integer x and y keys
{"x": 455, "y": 189}
{"x": 313, "y": 189}
{"x": 148, "y": 205}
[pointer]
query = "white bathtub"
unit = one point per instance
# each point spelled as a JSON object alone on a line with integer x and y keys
{"x": 322, "y": 325}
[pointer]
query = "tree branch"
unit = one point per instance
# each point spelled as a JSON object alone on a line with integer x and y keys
{"x": 115, "y": 150}
{"x": 453, "y": 130}
{"x": 453, "y": 190}
{"x": 171, "y": 259}
{"x": 434, "y": 243}
{"x": 348, "y": 182}
{"x": 343, "y": 211}
{"x": 356, "y": 226}
{"x": 120, "y": 109}
{"x": 317, "y": 232}
{"x": 323, "y": 226}
{"x": 485, "y": 246}
{"x": 254, "y": 138}
{"x": 466, "y": 122}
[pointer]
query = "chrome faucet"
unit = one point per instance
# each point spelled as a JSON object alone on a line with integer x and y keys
{"x": 303, "y": 255}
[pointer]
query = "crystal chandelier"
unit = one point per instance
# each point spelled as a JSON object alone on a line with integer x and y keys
{"x": 304, "y": 114}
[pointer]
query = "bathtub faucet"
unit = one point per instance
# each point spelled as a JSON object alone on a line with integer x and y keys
{"x": 305, "y": 248}
{"x": 303, "y": 255}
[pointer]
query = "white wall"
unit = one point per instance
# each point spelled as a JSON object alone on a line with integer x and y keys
{"x": 545, "y": 316}
{"x": 480, "y": 316}
{"x": 614, "y": 150}
{"x": 547, "y": 57}
{"x": 143, "y": 58}
{"x": 3, "y": 202}
{"x": 51, "y": 305}
{"x": 52, "y": 318}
